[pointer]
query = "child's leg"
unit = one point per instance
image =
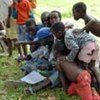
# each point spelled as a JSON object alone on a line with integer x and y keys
{"x": 8, "y": 42}
{"x": 5, "y": 48}
{"x": 94, "y": 70}
{"x": 61, "y": 76}
{"x": 39, "y": 86}
{"x": 21, "y": 37}
{"x": 89, "y": 54}
{"x": 19, "y": 50}
{"x": 81, "y": 77}
{"x": 83, "y": 86}
{"x": 24, "y": 50}
{"x": 14, "y": 83}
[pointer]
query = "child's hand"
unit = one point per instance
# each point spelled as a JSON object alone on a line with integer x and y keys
{"x": 62, "y": 58}
{"x": 43, "y": 67}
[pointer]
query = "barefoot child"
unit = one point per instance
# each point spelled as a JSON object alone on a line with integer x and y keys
{"x": 91, "y": 24}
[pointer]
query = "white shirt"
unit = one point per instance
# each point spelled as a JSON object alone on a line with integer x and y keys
{"x": 4, "y": 4}
{"x": 42, "y": 51}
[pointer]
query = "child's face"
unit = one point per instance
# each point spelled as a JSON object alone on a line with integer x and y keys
{"x": 59, "y": 35}
{"x": 31, "y": 29}
{"x": 76, "y": 15}
{"x": 54, "y": 18}
{"x": 46, "y": 22}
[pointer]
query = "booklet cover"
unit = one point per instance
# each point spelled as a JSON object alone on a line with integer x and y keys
{"x": 33, "y": 78}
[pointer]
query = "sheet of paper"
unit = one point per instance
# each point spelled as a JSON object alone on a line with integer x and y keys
{"x": 33, "y": 78}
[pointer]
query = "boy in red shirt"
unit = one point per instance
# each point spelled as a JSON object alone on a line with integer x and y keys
{"x": 23, "y": 8}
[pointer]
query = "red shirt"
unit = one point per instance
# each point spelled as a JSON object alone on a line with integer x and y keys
{"x": 23, "y": 9}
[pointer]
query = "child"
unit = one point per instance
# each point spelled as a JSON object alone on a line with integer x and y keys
{"x": 39, "y": 56}
{"x": 82, "y": 44}
{"x": 23, "y": 8}
{"x": 45, "y": 19}
{"x": 31, "y": 30}
{"x": 92, "y": 24}
{"x": 55, "y": 16}
{"x": 80, "y": 79}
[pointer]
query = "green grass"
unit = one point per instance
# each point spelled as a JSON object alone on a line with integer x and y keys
{"x": 10, "y": 69}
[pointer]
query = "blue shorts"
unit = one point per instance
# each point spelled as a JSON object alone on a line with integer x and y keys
{"x": 21, "y": 29}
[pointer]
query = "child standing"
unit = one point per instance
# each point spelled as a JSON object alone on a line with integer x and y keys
{"x": 40, "y": 56}
{"x": 91, "y": 24}
{"x": 23, "y": 8}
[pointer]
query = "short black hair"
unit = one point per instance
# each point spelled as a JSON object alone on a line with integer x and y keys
{"x": 59, "y": 13}
{"x": 58, "y": 26}
{"x": 29, "y": 22}
{"x": 80, "y": 6}
{"x": 44, "y": 15}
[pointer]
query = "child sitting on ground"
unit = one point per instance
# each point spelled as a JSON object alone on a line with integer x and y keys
{"x": 31, "y": 29}
{"x": 82, "y": 44}
{"x": 39, "y": 59}
{"x": 91, "y": 24}
{"x": 40, "y": 56}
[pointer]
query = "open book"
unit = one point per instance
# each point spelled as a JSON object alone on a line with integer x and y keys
{"x": 33, "y": 78}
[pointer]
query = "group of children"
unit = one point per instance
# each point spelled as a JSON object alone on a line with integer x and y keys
{"x": 68, "y": 55}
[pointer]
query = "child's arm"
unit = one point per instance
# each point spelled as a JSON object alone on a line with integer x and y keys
{"x": 39, "y": 53}
{"x": 71, "y": 45}
{"x": 33, "y": 3}
{"x": 88, "y": 26}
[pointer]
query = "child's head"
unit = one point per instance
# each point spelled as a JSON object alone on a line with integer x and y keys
{"x": 44, "y": 36}
{"x": 79, "y": 10}
{"x": 45, "y": 18}
{"x": 58, "y": 29}
{"x": 31, "y": 27}
{"x": 55, "y": 16}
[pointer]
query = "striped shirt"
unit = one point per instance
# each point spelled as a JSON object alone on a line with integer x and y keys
{"x": 74, "y": 42}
